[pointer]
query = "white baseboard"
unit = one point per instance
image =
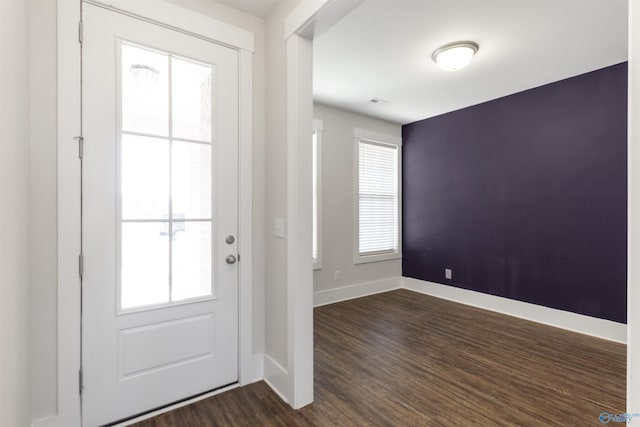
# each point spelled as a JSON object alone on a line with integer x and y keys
{"x": 50, "y": 421}
{"x": 276, "y": 377}
{"x": 605, "y": 329}
{"x": 331, "y": 296}
{"x": 257, "y": 367}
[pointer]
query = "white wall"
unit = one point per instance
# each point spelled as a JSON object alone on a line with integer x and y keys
{"x": 337, "y": 200}
{"x": 14, "y": 213}
{"x": 43, "y": 208}
{"x": 633, "y": 263}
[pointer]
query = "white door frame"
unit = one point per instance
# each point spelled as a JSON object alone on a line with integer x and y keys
{"x": 69, "y": 114}
{"x": 310, "y": 19}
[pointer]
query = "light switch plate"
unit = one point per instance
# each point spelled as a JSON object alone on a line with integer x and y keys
{"x": 278, "y": 228}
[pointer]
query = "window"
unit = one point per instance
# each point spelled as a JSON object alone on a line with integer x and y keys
{"x": 377, "y": 196}
{"x": 317, "y": 186}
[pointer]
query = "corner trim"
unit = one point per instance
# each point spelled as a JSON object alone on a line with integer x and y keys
{"x": 345, "y": 293}
{"x": 600, "y": 328}
{"x": 277, "y": 378}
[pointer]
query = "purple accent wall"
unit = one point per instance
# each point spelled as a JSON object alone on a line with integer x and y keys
{"x": 525, "y": 196}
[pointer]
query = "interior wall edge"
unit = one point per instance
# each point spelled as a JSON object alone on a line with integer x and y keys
{"x": 633, "y": 214}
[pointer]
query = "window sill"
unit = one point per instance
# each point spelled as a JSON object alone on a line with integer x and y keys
{"x": 364, "y": 259}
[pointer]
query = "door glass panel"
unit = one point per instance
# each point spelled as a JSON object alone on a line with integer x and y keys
{"x": 191, "y": 97}
{"x": 145, "y": 91}
{"x": 166, "y": 178}
{"x": 191, "y": 180}
{"x": 145, "y": 177}
{"x": 191, "y": 262}
{"x": 144, "y": 264}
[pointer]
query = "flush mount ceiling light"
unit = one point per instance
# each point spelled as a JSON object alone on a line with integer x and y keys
{"x": 454, "y": 56}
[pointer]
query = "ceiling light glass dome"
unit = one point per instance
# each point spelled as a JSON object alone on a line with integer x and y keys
{"x": 454, "y": 56}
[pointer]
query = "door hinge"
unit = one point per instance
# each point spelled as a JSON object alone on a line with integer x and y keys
{"x": 80, "y": 32}
{"x": 81, "y": 265}
{"x": 80, "y": 381}
{"x": 80, "y": 140}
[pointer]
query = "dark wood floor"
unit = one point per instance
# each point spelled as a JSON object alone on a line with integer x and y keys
{"x": 406, "y": 359}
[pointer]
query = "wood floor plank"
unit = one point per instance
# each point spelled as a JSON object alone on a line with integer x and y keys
{"x": 406, "y": 359}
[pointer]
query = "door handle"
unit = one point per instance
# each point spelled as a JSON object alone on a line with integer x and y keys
{"x": 231, "y": 259}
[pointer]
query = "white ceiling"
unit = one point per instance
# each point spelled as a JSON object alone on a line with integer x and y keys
{"x": 383, "y": 50}
{"x": 259, "y": 8}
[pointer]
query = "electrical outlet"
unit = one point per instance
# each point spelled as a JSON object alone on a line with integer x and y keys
{"x": 447, "y": 273}
{"x": 336, "y": 275}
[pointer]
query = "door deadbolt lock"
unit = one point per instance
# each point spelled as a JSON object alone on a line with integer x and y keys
{"x": 230, "y": 239}
{"x": 231, "y": 259}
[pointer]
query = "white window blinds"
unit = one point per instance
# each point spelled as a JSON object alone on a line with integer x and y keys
{"x": 377, "y": 198}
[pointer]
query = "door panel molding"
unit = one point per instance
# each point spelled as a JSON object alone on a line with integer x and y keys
{"x": 152, "y": 353}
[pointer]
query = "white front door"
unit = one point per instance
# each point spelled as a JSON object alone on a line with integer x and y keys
{"x": 160, "y": 197}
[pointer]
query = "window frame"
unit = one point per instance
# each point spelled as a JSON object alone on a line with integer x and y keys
{"x": 363, "y": 135}
{"x": 318, "y": 128}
